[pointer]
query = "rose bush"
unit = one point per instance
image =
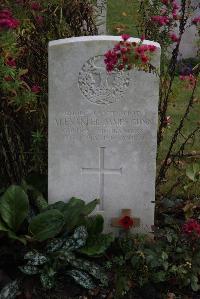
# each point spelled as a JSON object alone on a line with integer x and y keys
{"x": 26, "y": 27}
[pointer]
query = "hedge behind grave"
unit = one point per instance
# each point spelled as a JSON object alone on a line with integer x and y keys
{"x": 24, "y": 78}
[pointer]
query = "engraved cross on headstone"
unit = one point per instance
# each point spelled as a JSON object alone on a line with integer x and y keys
{"x": 101, "y": 171}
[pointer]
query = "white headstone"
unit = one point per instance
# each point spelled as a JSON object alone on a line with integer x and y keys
{"x": 189, "y": 42}
{"x": 102, "y": 129}
{"x": 101, "y": 12}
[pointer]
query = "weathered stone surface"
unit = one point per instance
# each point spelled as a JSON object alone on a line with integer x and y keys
{"x": 101, "y": 11}
{"x": 190, "y": 39}
{"x": 102, "y": 129}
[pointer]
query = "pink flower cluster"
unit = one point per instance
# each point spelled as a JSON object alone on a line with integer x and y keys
{"x": 160, "y": 20}
{"x": 192, "y": 227}
{"x": 36, "y": 89}
{"x": 7, "y": 21}
{"x": 125, "y": 54}
{"x": 37, "y": 8}
{"x": 190, "y": 80}
{"x": 167, "y": 13}
{"x": 196, "y": 20}
{"x": 174, "y": 38}
{"x": 11, "y": 62}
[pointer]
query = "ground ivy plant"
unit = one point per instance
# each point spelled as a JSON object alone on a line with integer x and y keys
{"x": 58, "y": 239}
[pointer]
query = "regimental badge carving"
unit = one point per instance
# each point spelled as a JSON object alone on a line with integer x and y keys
{"x": 100, "y": 87}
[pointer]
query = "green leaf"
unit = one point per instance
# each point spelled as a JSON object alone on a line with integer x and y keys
{"x": 47, "y": 281}
{"x": 10, "y": 290}
{"x": 3, "y": 227}
{"x": 14, "y": 207}
{"x": 59, "y": 205}
{"x": 192, "y": 171}
{"x": 72, "y": 212}
{"x": 89, "y": 208}
{"x": 95, "y": 224}
{"x": 95, "y": 270}
{"x": 46, "y": 225}
{"x": 35, "y": 258}
{"x": 159, "y": 276}
{"x": 135, "y": 260}
{"x": 194, "y": 283}
{"x": 30, "y": 270}
{"x": 55, "y": 244}
{"x": 13, "y": 236}
{"x": 77, "y": 241}
{"x": 82, "y": 278}
{"x": 97, "y": 246}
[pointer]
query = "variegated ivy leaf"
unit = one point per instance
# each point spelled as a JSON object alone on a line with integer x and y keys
{"x": 55, "y": 245}
{"x": 35, "y": 258}
{"x": 29, "y": 269}
{"x": 82, "y": 278}
{"x": 10, "y": 290}
{"x": 93, "y": 269}
{"x": 80, "y": 233}
{"x": 47, "y": 281}
{"x": 78, "y": 239}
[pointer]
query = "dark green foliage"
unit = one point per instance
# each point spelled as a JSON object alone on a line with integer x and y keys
{"x": 97, "y": 245}
{"x": 14, "y": 207}
{"x": 82, "y": 278}
{"x": 10, "y": 290}
{"x": 46, "y": 225}
{"x": 61, "y": 255}
{"x": 23, "y": 117}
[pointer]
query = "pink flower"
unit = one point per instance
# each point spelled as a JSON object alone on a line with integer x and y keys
{"x": 11, "y": 62}
{"x": 8, "y": 78}
{"x": 175, "y": 5}
{"x": 196, "y": 20}
{"x": 141, "y": 49}
{"x": 166, "y": 2}
{"x": 36, "y": 89}
{"x": 125, "y": 59}
{"x": 35, "y": 6}
{"x": 110, "y": 60}
{"x": 125, "y": 37}
{"x": 117, "y": 47}
{"x": 124, "y": 50}
{"x": 39, "y": 20}
{"x": 5, "y": 13}
{"x": 152, "y": 48}
{"x": 174, "y": 15}
{"x": 144, "y": 58}
{"x": 192, "y": 227}
{"x": 189, "y": 79}
{"x": 174, "y": 37}
{"x": 161, "y": 20}
{"x": 7, "y": 21}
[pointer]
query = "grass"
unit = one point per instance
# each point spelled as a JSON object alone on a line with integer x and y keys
{"x": 121, "y": 18}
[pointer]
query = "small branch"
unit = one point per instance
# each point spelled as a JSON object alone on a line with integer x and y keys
{"x": 165, "y": 164}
